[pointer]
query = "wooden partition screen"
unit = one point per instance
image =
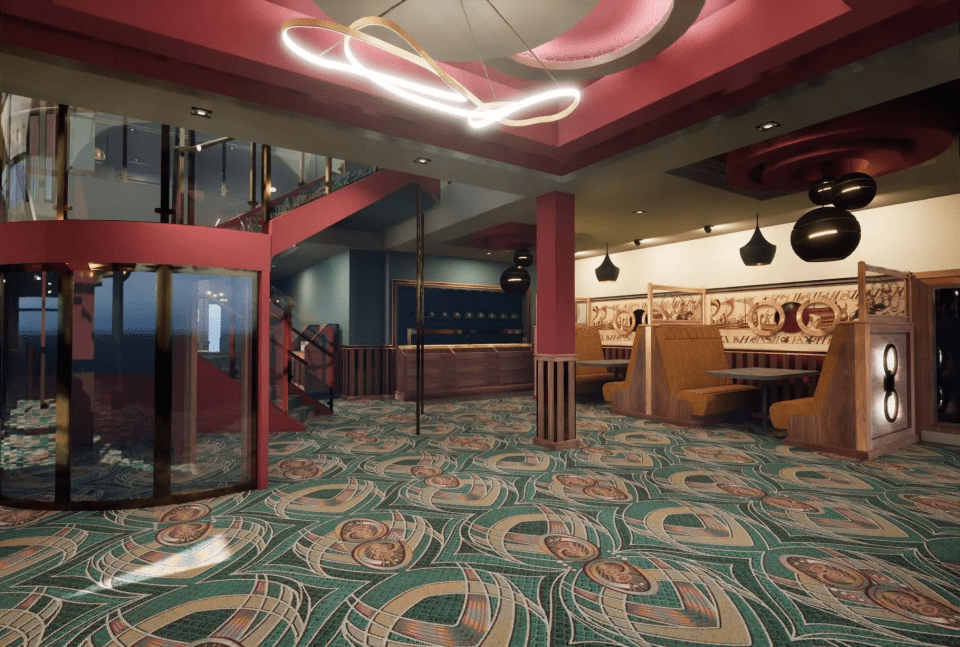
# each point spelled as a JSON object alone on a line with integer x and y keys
{"x": 665, "y": 317}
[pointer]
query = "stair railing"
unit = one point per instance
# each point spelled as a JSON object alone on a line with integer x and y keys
{"x": 284, "y": 346}
{"x": 303, "y": 194}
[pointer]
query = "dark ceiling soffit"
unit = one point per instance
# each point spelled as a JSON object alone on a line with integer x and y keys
{"x": 605, "y": 142}
{"x": 809, "y": 70}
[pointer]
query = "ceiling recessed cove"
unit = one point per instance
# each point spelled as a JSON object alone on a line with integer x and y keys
{"x": 615, "y": 36}
{"x": 883, "y": 139}
{"x": 446, "y": 28}
{"x": 506, "y": 235}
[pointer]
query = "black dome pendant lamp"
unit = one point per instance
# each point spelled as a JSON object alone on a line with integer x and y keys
{"x": 607, "y": 272}
{"x": 759, "y": 251}
{"x": 825, "y": 234}
{"x": 523, "y": 257}
{"x": 854, "y": 191}
{"x": 515, "y": 279}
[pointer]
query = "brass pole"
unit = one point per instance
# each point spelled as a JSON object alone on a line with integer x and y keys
{"x": 180, "y": 179}
{"x": 64, "y": 387}
{"x": 62, "y": 171}
{"x": 328, "y": 176}
{"x": 117, "y": 322}
{"x": 253, "y": 175}
{"x": 191, "y": 178}
{"x": 164, "y": 209}
{"x": 163, "y": 384}
{"x": 266, "y": 188}
{"x": 43, "y": 340}
{"x": 419, "y": 308}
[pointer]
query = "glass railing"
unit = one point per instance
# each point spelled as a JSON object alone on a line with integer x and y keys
{"x": 121, "y": 168}
{"x": 285, "y": 197}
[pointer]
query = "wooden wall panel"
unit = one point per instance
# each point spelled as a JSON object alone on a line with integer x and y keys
{"x": 616, "y": 352}
{"x": 461, "y": 370}
{"x": 367, "y": 371}
{"x": 798, "y": 388}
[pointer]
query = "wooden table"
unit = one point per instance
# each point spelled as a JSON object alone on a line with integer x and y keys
{"x": 615, "y": 364}
{"x": 765, "y": 376}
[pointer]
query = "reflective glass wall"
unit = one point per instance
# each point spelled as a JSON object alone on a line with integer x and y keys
{"x": 156, "y": 368}
{"x": 123, "y": 168}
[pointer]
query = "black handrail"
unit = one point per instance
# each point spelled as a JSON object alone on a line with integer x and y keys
{"x": 309, "y": 340}
{"x": 294, "y": 356}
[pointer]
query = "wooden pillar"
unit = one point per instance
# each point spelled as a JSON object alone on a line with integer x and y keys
{"x": 556, "y": 369}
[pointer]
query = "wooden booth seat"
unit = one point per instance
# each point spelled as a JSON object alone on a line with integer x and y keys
{"x": 588, "y": 346}
{"x": 611, "y": 389}
{"x": 681, "y": 358}
{"x": 781, "y": 412}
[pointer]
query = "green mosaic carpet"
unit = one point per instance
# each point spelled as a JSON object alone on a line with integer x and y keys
{"x": 470, "y": 535}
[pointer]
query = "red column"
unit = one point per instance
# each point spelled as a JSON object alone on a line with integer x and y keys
{"x": 556, "y": 317}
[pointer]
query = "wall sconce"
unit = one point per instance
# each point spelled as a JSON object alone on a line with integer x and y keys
{"x": 891, "y": 401}
{"x": 891, "y": 360}
{"x": 891, "y": 406}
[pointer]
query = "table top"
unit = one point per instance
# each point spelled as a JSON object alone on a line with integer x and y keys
{"x": 761, "y": 374}
{"x": 603, "y": 362}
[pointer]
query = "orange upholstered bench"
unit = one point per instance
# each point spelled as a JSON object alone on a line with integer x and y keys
{"x": 682, "y": 355}
{"x": 636, "y": 355}
{"x": 816, "y": 407}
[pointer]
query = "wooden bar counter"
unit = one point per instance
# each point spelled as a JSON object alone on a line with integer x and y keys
{"x": 465, "y": 369}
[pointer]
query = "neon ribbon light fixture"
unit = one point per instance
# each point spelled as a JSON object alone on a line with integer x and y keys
{"x": 453, "y": 99}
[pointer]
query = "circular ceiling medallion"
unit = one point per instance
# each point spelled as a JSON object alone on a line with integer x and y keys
{"x": 443, "y": 30}
{"x": 883, "y": 139}
{"x": 616, "y": 35}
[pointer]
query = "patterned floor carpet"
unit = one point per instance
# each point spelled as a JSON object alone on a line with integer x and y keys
{"x": 470, "y": 535}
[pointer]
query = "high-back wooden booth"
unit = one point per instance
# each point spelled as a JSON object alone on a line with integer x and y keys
{"x": 667, "y": 377}
{"x": 863, "y": 404}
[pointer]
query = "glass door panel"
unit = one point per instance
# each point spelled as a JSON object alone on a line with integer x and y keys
{"x": 28, "y": 385}
{"x": 212, "y": 427}
{"x": 112, "y": 411}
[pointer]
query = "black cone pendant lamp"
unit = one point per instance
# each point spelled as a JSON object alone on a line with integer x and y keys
{"x": 759, "y": 251}
{"x": 607, "y": 272}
